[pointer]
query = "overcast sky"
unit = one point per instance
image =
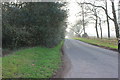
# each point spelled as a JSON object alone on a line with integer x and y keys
{"x": 90, "y": 29}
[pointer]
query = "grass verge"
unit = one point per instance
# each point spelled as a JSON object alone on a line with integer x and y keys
{"x": 107, "y": 43}
{"x": 37, "y": 62}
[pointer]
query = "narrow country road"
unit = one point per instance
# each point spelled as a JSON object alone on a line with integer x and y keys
{"x": 88, "y": 61}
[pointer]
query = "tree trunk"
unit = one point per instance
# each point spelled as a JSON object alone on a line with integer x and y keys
{"x": 96, "y": 21}
{"x": 107, "y": 20}
{"x": 115, "y": 20}
{"x": 82, "y": 6}
{"x": 100, "y": 27}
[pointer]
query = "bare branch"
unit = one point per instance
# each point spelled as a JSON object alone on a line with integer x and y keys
{"x": 97, "y": 7}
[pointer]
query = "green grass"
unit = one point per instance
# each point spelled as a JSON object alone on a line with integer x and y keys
{"x": 110, "y": 43}
{"x": 37, "y": 62}
{"x": 0, "y": 67}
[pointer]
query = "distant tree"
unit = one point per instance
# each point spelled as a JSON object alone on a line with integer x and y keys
{"x": 77, "y": 28}
{"x": 85, "y": 35}
{"x": 100, "y": 21}
{"x": 91, "y": 14}
{"x": 96, "y": 22}
{"x": 94, "y": 16}
{"x": 84, "y": 13}
{"x": 83, "y": 17}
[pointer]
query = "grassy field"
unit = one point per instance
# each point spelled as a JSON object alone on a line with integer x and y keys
{"x": 37, "y": 62}
{"x": 109, "y": 43}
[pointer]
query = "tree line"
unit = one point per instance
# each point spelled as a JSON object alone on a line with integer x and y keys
{"x": 33, "y": 24}
{"x": 90, "y": 13}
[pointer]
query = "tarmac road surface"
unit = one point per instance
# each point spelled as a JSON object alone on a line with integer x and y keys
{"x": 88, "y": 61}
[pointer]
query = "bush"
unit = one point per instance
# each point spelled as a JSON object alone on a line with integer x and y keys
{"x": 85, "y": 35}
{"x": 31, "y": 24}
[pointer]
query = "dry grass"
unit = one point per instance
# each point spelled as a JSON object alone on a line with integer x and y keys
{"x": 110, "y": 43}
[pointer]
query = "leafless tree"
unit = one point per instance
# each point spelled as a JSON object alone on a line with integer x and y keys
{"x": 84, "y": 13}
{"x": 114, "y": 19}
{"x": 77, "y": 28}
{"x": 100, "y": 21}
